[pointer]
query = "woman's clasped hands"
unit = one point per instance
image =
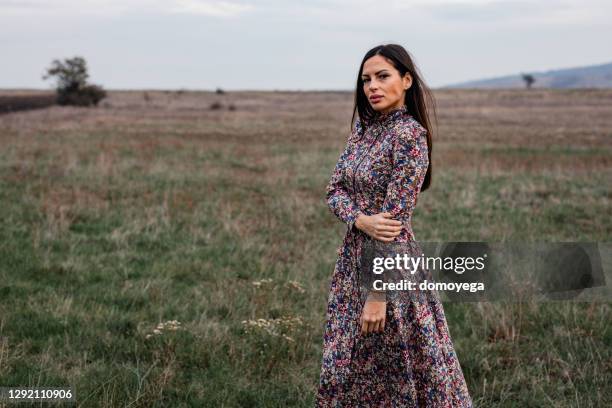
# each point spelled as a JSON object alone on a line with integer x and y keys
{"x": 379, "y": 226}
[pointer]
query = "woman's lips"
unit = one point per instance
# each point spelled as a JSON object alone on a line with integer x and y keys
{"x": 375, "y": 99}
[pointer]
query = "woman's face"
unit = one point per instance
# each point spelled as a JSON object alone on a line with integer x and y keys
{"x": 383, "y": 85}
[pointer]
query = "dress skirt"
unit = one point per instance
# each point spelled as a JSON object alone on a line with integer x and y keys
{"x": 412, "y": 363}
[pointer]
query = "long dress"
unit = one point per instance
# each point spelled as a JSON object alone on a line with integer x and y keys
{"x": 412, "y": 363}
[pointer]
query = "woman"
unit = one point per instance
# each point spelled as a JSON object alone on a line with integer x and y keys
{"x": 378, "y": 353}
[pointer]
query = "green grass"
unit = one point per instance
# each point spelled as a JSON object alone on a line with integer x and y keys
{"x": 102, "y": 238}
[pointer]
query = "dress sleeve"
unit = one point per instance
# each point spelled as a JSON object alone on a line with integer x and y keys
{"x": 338, "y": 199}
{"x": 410, "y": 163}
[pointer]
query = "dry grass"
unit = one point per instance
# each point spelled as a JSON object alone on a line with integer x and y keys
{"x": 154, "y": 207}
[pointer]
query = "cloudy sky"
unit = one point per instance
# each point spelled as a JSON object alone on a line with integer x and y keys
{"x": 302, "y": 44}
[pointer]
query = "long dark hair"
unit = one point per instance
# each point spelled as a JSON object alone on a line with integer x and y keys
{"x": 419, "y": 98}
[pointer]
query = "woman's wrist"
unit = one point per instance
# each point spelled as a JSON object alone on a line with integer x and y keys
{"x": 359, "y": 220}
{"x": 379, "y": 296}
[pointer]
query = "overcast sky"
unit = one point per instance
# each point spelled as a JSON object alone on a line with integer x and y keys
{"x": 283, "y": 44}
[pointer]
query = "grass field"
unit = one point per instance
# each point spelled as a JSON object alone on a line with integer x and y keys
{"x": 155, "y": 252}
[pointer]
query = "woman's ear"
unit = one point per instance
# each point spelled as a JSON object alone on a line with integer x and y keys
{"x": 407, "y": 81}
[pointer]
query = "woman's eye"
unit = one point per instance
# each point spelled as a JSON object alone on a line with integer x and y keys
{"x": 365, "y": 80}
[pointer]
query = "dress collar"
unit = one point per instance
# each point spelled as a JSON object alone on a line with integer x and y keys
{"x": 389, "y": 116}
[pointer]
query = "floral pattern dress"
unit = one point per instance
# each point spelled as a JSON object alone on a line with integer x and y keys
{"x": 412, "y": 363}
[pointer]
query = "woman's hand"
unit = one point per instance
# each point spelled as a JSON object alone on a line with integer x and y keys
{"x": 373, "y": 316}
{"x": 379, "y": 226}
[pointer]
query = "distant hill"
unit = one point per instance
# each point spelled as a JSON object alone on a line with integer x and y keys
{"x": 594, "y": 76}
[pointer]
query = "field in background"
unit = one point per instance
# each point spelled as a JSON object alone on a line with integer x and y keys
{"x": 18, "y": 100}
{"x": 156, "y": 252}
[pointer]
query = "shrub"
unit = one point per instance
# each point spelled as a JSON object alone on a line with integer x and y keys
{"x": 86, "y": 96}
